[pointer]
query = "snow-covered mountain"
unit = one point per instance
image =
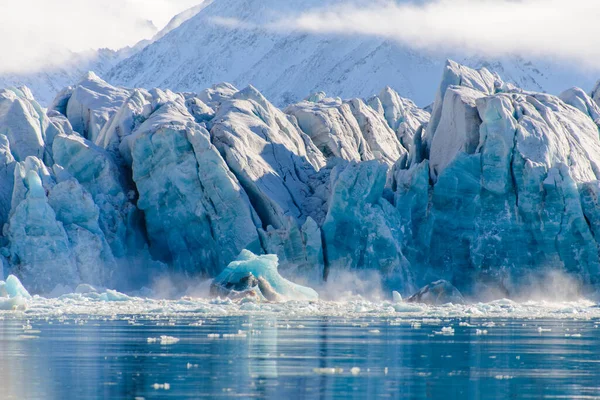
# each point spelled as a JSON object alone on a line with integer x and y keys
{"x": 234, "y": 41}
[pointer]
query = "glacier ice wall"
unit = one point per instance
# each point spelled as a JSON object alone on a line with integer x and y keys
{"x": 494, "y": 186}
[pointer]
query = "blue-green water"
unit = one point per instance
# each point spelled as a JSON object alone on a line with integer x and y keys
{"x": 312, "y": 357}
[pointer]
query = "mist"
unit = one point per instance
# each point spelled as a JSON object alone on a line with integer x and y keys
{"x": 558, "y": 30}
{"x": 38, "y": 34}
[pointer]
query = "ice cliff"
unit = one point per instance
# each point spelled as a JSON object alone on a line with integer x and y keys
{"x": 110, "y": 185}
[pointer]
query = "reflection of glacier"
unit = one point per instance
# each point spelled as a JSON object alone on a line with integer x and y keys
{"x": 112, "y": 184}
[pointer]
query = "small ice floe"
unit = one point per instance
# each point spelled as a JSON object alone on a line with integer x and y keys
{"x": 541, "y": 330}
{"x": 375, "y": 331}
{"x": 213, "y": 335}
{"x": 239, "y": 335}
{"x": 328, "y": 371}
{"x": 480, "y": 332}
{"x": 164, "y": 340}
{"x": 355, "y": 371}
{"x": 574, "y": 335}
{"x": 446, "y": 331}
{"x": 163, "y": 386}
{"x": 397, "y": 297}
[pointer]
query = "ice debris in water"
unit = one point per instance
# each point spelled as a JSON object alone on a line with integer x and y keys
{"x": 258, "y": 276}
{"x": 164, "y": 340}
{"x": 89, "y": 292}
{"x": 446, "y": 331}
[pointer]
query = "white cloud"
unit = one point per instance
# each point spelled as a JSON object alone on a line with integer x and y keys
{"x": 34, "y": 33}
{"x": 555, "y": 29}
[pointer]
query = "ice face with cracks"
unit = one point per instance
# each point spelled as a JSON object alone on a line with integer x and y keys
{"x": 496, "y": 187}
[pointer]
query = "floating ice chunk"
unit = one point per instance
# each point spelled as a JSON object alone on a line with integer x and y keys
{"x": 397, "y": 297}
{"x": 264, "y": 268}
{"x": 13, "y": 296}
{"x": 164, "y": 340}
{"x": 13, "y": 288}
{"x": 446, "y": 331}
{"x": 328, "y": 371}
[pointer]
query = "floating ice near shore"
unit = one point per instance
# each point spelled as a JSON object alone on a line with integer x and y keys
{"x": 12, "y": 294}
{"x": 268, "y": 283}
{"x": 168, "y": 311}
{"x": 16, "y": 302}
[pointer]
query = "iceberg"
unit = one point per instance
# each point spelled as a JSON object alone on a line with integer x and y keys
{"x": 13, "y": 294}
{"x": 250, "y": 271}
{"x": 12, "y": 287}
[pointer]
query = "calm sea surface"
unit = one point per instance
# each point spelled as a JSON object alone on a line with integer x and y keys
{"x": 306, "y": 358}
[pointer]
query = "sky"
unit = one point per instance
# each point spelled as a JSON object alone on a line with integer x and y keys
{"x": 36, "y": 32}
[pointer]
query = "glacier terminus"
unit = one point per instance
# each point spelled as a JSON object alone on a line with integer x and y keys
{"x": 490, "y": 188}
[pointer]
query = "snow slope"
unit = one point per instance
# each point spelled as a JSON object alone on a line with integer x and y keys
{"x": 230, "y": 40}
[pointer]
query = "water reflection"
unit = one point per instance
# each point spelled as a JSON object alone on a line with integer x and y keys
{"x": 283, "y": 358}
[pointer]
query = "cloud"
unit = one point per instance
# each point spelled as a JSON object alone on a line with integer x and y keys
{"x": 554, "y": 29}
{"x": 35, "y": 33}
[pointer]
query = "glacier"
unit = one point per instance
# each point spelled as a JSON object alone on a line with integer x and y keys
{"x": 491, "y": 188}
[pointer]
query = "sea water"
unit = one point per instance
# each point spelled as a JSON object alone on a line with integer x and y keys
{"x": 77, "y": 348}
